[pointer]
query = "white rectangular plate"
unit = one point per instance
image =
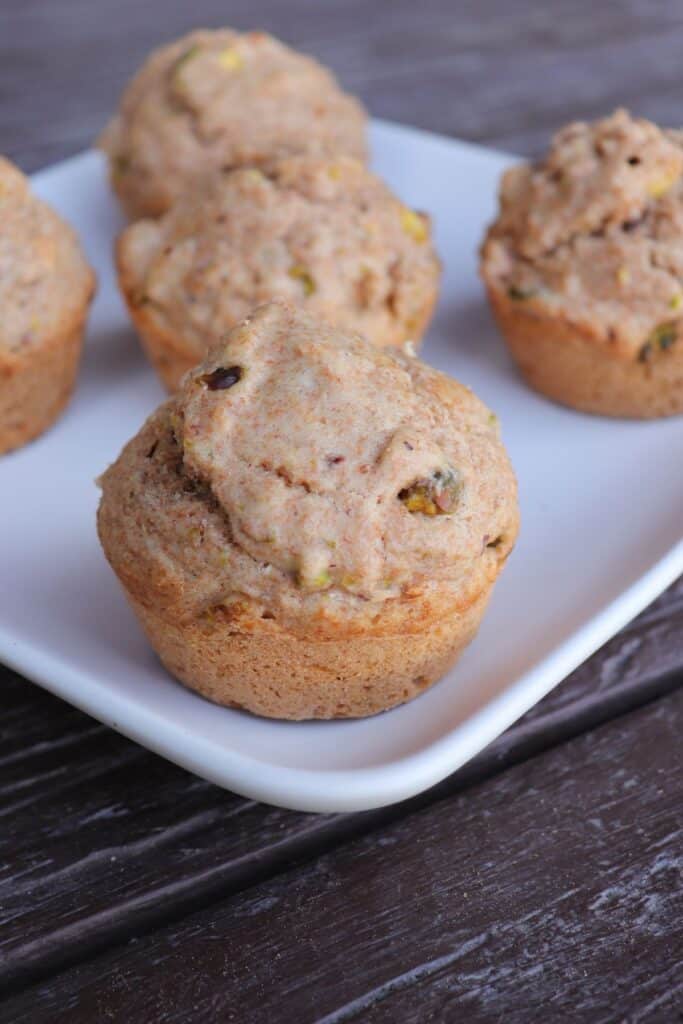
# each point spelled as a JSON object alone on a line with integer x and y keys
{"x": 602, "y": 517}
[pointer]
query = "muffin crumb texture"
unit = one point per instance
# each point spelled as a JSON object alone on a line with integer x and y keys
{"x": 324, "y": 233}
{"x": 584, "y": 267}
{"x": 222, "y": 99}
{"x": 45, "y": 289}
{"x": 308, "y": 492}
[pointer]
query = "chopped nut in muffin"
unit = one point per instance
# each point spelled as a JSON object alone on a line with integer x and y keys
{"x": 222, "y": 99}
{"x": 330, "y": 508}
{"x": 325, "y": 233}
{"x": 584, "y": 267}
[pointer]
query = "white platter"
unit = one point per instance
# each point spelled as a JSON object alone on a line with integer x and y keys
{"x": 602, "y": 529}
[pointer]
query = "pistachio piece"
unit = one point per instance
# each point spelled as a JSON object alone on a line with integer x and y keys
{"x": 520, "y": 294}
{"x": 623, "y": 276}
{"x": 222, "y": 378}
{"x": 231, "y": 59}
{"x": 676, "y": 301}
{"x": 252, "y": 174}
{"x": 661, "y": 338}
{"x": 414, "y": 224}
{"x": 300, "y": 273}
{"x": 321, "y": 581}
{"x": 120, "y": 165}
{"x": 659, "y": 186}
{"x": 184, "y": 59}
{"x": 436, "y": 495}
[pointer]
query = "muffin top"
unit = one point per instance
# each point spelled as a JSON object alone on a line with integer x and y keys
{"x": 223, "y": 99}
{"x": 320, "y": 477}
{"x": 594, "y": 233}
{"x": 45, "y": 281}
{"x": 320, "y": 231}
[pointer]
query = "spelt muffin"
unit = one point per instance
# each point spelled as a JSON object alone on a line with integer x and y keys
{"x": 217, "y": 99}
{"x": 584, "y": 268}
{"x": 323, "y": 232}
{"x": 311, "y": 527}
{"x": 45, "y": 290}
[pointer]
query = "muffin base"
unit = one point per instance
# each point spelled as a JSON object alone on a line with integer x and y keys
{"x": 277, "y": 674}
{"x": 36, "y": 388}
{"x": 571, "y": 367}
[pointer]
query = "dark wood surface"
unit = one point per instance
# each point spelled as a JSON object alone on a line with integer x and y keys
{"x": 543, "y": 880}
{"x": 475, "y": 908}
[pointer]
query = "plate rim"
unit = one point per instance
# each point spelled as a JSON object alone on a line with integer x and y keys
{"x": 358, "y": 789}
{"x": 337, "y": 790}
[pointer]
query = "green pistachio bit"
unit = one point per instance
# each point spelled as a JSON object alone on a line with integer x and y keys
{"x": 120, "y": 165}
{"x": 231, "y": 59}
{"x": 299, "y": 272}
{"x": 662, "y": 338}
{"x": 185, "y": 58}
{"x": 321, "y": 581}
{"x": 436, "y": 495}
{"x": 520, "y": 294}
{"x": 414, "y": 224}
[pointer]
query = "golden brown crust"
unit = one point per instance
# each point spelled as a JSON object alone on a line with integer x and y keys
{"x": 46, "y": 286}
{"x": 240, "y": 653}
{"x": 300, "y": 566}
{"x": 36, "y": 386}
{"x": 583, "y": 267}
{"x": 566, "y": 363}
{"x": 253, "y": 664}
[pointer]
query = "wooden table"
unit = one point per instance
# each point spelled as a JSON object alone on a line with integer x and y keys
{"x": 542, "y": 882}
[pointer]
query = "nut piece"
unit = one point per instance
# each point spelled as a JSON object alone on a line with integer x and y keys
{"x": 436, "y": 495}
{"x": 222, "y": 378}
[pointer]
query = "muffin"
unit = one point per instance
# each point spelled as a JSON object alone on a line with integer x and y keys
{"x": 221, "y": 99}
{"x": 584, "y": 268}
{"x": 311, "y": 527}
{"x": 322, "y": 232}
{"x": 45, "y": 289}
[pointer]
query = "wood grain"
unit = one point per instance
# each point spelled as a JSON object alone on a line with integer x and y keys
{"x": 550, "y": 893}
{"x": 105, "y": 840}
{"x": 478, "y": 69}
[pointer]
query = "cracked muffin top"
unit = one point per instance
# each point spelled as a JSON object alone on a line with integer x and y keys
{"x": 218, "y": 99}
{"x": 323, "y": 232}
{"x": 316, "y": 475}
{"x": 45, "y": 281}
{"x": 594, "y": 233}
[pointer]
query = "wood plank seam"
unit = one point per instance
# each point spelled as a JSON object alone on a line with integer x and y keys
{"x": 39, "y": 960}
